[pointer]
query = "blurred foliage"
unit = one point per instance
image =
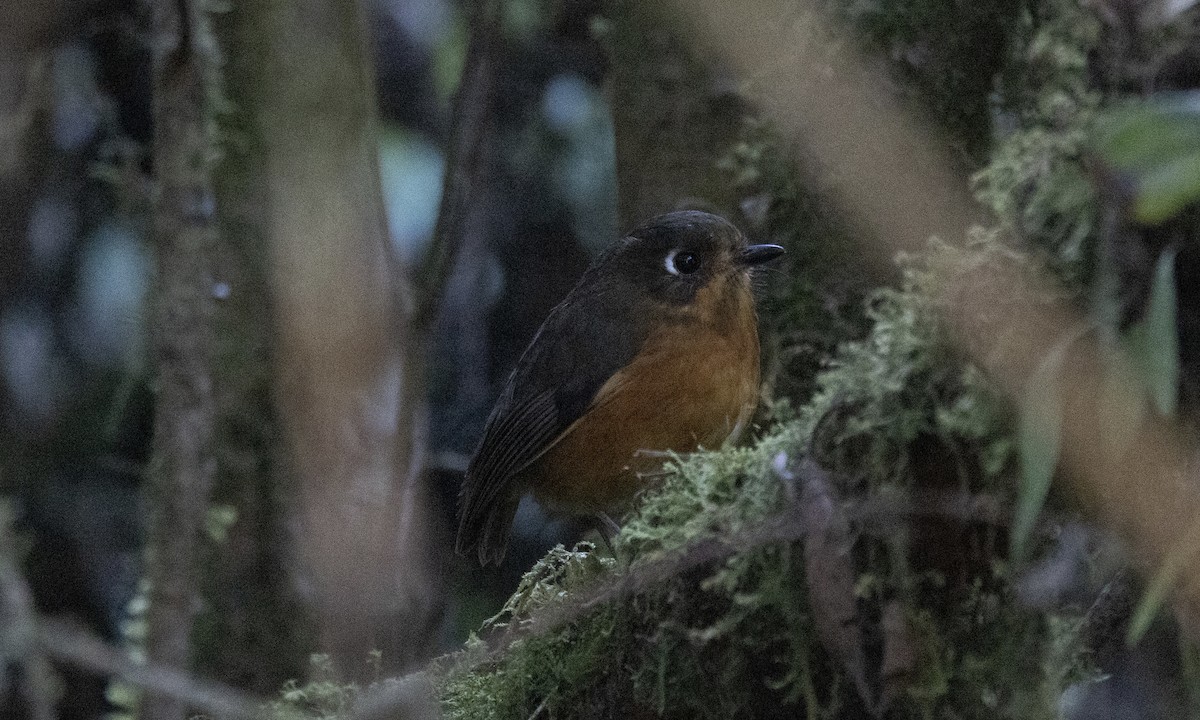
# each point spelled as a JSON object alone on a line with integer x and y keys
{"x": 1153, "y": 349}
{"x": 1047, "y": 186}
{"x": 1153, "y": 342}
{"x": 1039, "y": 434}
{"x": 1155, "y": 150}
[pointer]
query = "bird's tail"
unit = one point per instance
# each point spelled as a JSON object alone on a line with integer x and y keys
{"x": 485, "y": 533}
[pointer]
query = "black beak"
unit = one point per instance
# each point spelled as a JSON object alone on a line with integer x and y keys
{"x": 758, "y": 254}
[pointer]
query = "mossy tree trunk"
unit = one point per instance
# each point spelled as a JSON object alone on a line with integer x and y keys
{"x": 254, "y": 631}
{"x": 907, "y": 615}
{"x": 185, "y": 234}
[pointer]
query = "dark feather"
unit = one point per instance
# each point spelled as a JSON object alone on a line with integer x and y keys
{"x": 588, "y": 338}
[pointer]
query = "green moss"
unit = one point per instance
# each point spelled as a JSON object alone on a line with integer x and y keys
{"x": 553, "y": 670}
{"x": 712, "y": 493}
{"x": 812, "y": 299}
{"x": 324, "y": 696}
{"x": 1037, "y": 185}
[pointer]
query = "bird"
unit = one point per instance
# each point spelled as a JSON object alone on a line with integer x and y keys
{"x": 654, "y": 351}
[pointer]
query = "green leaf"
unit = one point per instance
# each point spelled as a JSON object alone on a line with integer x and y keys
{"x": 1122, "y": 404}
{"x": 1153, "y": 342}
{"x": 1152, "y": 600}
{"x": 1167, "y": 189}
{"x": 1156, "y": 147}
{"x": 1162, "y": 582}
{"x": 1145, "y": 136}
{"x": 1039, "y": 433}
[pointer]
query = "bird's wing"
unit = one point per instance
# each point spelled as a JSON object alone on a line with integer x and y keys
{"x": 577, "y": 350}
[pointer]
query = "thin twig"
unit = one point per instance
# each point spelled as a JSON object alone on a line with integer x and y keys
{"x": 466, "y": 158}
{"x": 34, "y": 685}
{"x": 88, "y": 652}
{"x": 830, "y": 574}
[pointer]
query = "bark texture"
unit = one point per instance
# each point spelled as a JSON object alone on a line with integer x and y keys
{"x": 185, "y": 233}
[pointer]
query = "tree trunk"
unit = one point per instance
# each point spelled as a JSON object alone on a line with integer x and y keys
{"x": 254, "y": 632}
{"x": 185, "y": 235}
{"x": 25, "y": 54}
{"x": 351, "y": 409}
{"x": 671, "y": 119}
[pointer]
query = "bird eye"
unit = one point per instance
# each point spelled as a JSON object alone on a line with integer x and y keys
{"x": 682, "y": 262}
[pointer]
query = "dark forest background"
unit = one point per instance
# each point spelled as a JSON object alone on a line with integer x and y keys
{"x": 264, "y": 268}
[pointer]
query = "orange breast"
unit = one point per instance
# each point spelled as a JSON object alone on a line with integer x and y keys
{"x": 693, "y": 384}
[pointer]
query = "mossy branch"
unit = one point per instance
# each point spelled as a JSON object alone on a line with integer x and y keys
{"x": 183, "y": 468}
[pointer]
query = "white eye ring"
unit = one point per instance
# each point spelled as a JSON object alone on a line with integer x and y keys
{"x": 691, "y": 263}
{"x": 669, "y": 263}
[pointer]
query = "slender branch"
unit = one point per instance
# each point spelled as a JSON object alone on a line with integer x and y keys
{"x": 34, "y": 685}
{"x": 88, "y": 652}
{"x": 789, "y": 525}
{"x": 466, "y": 160}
